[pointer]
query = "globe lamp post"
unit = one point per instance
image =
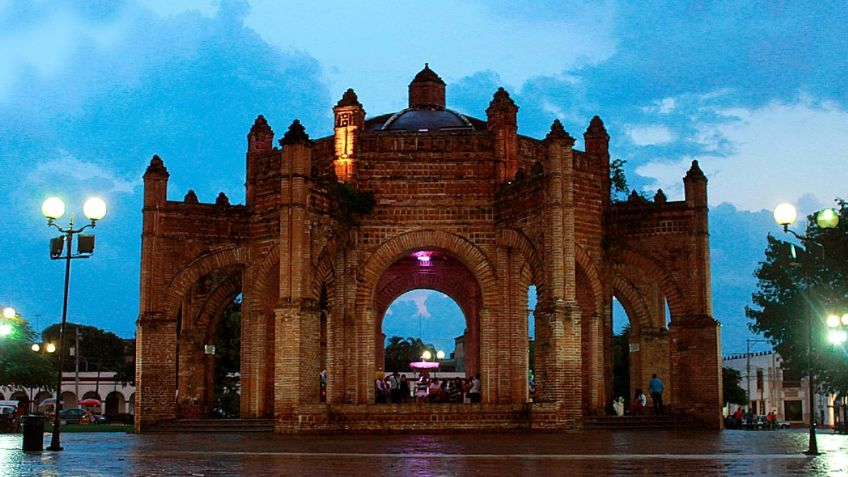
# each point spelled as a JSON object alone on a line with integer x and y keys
{"x": 61, "y": 249}
{"x": 6, "y": 328}
{"x": 785, "y": 215}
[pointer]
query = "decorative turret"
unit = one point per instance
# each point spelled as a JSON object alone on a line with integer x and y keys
{"x": 427, "y": 90}
{"x": 297, "y": 151}
{"x": 502, "y": 119}
{"x": 349, "y": 122}
{"x": 558, "y": 132}
{"x": 156, "y": 183}
{"x": 596, "y": 139}
{"x": 260, "y": 140}
{"x": 295, "y": 135}
{"x": 695, "y": 186}
{"x": 261, "y": 137}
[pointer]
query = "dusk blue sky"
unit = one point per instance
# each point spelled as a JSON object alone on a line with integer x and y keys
{"x": 89, "y": 91}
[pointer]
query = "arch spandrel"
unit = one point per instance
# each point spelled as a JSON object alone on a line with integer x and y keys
{"x": 631, "y": 262}
{"x": 188, "y": 276}
{"x": 474, "y": 259}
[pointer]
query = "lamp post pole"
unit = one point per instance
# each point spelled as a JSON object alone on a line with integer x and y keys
{"x": 53, "y": 208}
{"x": 55, "y": 444}
{"x": 784, "y": 215}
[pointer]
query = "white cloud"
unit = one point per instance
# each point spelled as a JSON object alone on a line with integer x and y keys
{"x": 758, "y": 158}
{"x": 662, "y": 106}
{"x": 76, "y": 174}
{"x": 377, "y": 47}
{"x": 419, "y": 297}
{"x": 165, "y": 8}
{"x": 650, "y": 135}
{"x": 45, "y": 44}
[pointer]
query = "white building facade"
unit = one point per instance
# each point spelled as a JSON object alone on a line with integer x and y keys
{"x": 771, "y": 388}
{"x": 116, "y": 397}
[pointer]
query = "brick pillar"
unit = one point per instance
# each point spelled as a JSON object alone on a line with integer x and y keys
{"x": 287, "y": 375}
{"x": 696, "y": 368}
{"x": 254, "y": 360}
{"x": 191, "y": 378}
{"x": 654, "y": 354}
{"x": 488, "y": 356}
{"x": 596, "y": 397}
{"x": 366, "y": 359}
{"x": 156, "y": 373}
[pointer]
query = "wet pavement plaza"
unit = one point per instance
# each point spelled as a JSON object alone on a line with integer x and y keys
{"x": 600, "y": 453}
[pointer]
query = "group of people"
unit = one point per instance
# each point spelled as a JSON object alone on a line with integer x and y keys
{"x": 640, "y": 400}
{"x": 748, "y": 420}
{"x": 396, "y": 388}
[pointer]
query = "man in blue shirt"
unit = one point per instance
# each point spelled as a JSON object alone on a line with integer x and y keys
{"x": 656, "y": 387}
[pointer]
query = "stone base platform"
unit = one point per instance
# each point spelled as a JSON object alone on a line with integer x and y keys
{"x": 413, "y": 417}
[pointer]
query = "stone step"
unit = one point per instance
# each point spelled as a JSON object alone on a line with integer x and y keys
{"x": 638, "y": 422}
{"x": 215, "y": 425}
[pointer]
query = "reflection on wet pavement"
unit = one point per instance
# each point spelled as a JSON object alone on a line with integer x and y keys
{"x": 666, "y": 453}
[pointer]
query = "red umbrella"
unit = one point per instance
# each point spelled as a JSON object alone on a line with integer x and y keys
{"x": 89, "y": 402}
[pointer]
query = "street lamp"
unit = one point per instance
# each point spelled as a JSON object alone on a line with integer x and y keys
{"x": 785, "y": 214}
{"x": 53, "y": 209}
{"x": 838, "y": 326}
{"x": 46, "y": 348}
{"x": 6, "y": 328}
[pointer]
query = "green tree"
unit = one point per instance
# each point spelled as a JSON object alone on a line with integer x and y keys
{"x": 621, "y": 364}
{"x": 19, "y": 365}
{"x": 400, "y": 352}
{"x": 796, "y": 279}
{"x": 733, "y": 393}
{"x": 99, "y": 350}
{"x": 618, "y": 181}
{"x": 228, "y": 362}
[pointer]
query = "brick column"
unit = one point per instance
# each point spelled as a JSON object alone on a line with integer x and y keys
{"x": 254, "y": 364}
{"x": 696, "y": 368}
{"x": 655, "y": 358}
{"x": 156, "y": 373}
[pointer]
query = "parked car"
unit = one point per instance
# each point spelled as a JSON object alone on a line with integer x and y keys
{"x": 761, "y": 422}
{"x": 77, "y": 415}
{"x": 72, "y": 415}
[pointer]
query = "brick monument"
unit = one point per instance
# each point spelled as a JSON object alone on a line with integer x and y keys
{"x": 460, "y": 205}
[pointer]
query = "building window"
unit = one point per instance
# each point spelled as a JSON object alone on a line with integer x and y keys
{"x": 792, "y": 410}
{"x": 759, "y": 379}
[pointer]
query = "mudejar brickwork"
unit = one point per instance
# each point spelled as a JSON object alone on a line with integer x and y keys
{"x": 465, "y": 206}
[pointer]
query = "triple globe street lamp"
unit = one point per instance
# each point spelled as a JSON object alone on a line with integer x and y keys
{"x": 53, "y": 209}
{"x": 785, "y": 215}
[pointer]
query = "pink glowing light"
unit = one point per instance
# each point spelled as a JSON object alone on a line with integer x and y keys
{"x": 423, "y": 257}
{"x": 424, "y": 365}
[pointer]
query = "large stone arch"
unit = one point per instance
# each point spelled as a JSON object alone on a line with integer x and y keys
{"x": 468, "y": 254}
{"x": 632, "y": 301}
{"x": 643, "y": 287}
{"x": 472, "y": 257}
{"x": 646, "y": 266}
{"x": 189, "y": 275}
{"x": 593, "y": 278}
{"x": 193, "y": 316}
{"x": 453, "y": 279}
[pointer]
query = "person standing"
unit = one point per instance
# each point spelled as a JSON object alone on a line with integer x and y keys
{"x": 394, "y": 388}
{"x": 474, "y": 393}
{"x": 656, "y": 387}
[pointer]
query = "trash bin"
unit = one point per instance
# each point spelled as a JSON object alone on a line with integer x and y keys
{"x": 33, "y": 429}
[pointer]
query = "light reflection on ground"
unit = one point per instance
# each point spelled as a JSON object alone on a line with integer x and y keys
{"x": 511, "y": 454}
